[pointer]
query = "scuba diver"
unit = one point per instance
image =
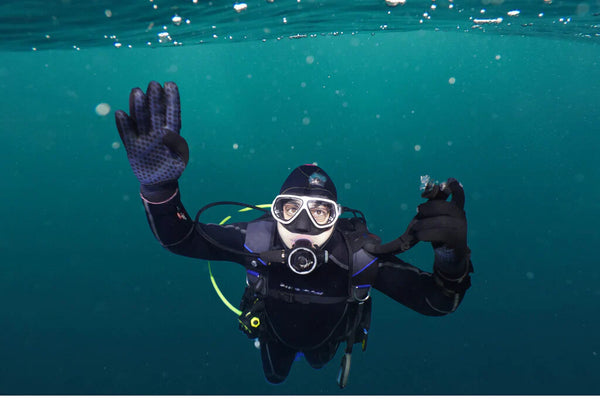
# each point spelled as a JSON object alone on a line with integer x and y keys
{"x": 309, "y": 271}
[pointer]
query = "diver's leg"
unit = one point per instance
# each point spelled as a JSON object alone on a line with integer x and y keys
{"x": 319, "y": 357}
{"x": 277, "y": 360}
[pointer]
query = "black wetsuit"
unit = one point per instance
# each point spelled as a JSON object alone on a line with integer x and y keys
{"x": 311, "y": 328}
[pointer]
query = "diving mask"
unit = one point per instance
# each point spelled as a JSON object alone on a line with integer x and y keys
{"x": 322, "y": 212}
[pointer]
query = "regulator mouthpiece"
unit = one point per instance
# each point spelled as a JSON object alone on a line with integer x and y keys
{"x": 303, "y": 257}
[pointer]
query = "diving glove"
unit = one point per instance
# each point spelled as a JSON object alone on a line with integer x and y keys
{"x": 150, "y": 133}
{"x": 441, "y": 222}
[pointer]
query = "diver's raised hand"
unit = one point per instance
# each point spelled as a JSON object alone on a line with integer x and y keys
{"x": 150, "y": 133}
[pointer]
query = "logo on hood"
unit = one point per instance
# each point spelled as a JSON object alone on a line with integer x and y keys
{"x": 317, "y": 179}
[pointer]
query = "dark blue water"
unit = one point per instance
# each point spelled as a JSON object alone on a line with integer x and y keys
{"x": 91, "y": 304}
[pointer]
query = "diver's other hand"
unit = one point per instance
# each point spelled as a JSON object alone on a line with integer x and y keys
{"x": 150, "y": 133}
{"x": 443, "y": 223}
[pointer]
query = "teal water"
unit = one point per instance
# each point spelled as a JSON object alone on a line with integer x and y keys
{"x": 91, "y": 304}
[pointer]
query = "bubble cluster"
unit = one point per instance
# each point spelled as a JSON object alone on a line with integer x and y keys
{"x": 164, "y": 37}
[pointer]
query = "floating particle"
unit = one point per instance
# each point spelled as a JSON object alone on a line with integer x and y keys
{"x": 452, "y": 80}
{"x": 176, "y": 19}
{"x": 102, "y": 109}
{"x": 236, "y": 146}
{"x": 394, "y": 3}
{"x": 284, "y": 20}
{"x": 310, "y": 59}
{"x": 498, "y": 57}
{"x": 117, "y": 45}
{"x": 239, "y": 7}
{"x": 347, "y": 186}
{"x": 513, "y": 13}
{"x": 306, "y": 121}
{"x": 108, "y": 13}
{"x": 116, "y": 145}
{"x": 582, "y": 9}
{"x": 530, "y": 275}
{"x": 417, "y": 147}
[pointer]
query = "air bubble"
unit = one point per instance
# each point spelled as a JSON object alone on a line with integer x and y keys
{"x": 239, "y": 7}
{"x": 394, "y": 3}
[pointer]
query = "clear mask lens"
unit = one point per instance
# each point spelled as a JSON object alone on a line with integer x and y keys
{"x": 322, "y": 212}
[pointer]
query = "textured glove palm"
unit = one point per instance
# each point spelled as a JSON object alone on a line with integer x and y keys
{"x": 156, "y": 152}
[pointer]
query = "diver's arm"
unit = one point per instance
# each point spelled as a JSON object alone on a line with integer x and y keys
{"x": 444, "y": 225}
{"x": 176, "y": 231}
{"x": 438, "y": 293}
{"x": 158, "y": 155}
